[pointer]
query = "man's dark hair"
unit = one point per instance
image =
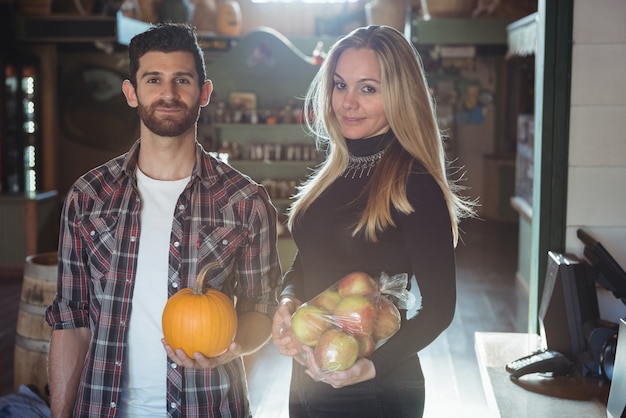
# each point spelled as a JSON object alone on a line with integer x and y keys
{"x": 165, "y": 37}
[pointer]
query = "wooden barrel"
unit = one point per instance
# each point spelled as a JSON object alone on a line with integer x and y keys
{"x": 32, "y": 341}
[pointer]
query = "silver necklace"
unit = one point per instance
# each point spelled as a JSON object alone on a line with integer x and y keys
{"x": 361, "y": 164}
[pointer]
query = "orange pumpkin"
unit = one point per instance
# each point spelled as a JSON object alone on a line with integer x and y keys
{"x": 199, "y": 321}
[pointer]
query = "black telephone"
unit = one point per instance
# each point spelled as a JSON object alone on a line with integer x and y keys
{"x": 544, "y": 361}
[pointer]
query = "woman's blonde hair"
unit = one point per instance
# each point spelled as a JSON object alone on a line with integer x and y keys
{"x": 410, "y": 111}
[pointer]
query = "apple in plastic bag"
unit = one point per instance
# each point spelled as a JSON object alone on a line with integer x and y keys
{"x": 356, "y": 283}
{"x": 367, "y": 345}
{"x": 336, "y": 350}
{"x": 328, "y": 299}
{"x": 308, "y": 323}
{"x": 355, "y": 314}
{"x": 387, "y": 321}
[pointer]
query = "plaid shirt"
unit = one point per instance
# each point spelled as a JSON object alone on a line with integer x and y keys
{"x": 221, "y": 216}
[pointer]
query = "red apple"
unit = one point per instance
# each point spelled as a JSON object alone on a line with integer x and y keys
{"x": 336, "y": 351}
{"x": 308, "y": 323}
{"x": 366, "y": 345}
{"x": 355, "y": 314}
{"x": 327, "y": 300}
{"x": 357, "y": 283}
{"x": 387, "y": 321}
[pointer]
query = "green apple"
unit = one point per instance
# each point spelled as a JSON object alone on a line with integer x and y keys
{"x": 336, "y": 351}
{"x": 308, "y": 323}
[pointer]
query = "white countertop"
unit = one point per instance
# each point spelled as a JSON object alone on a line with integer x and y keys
{"x": 534, "y": 395}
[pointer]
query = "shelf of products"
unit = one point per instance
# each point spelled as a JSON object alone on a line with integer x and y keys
{"x": 277, "y": 156}
{"x": 255, "y": 118}
{"x": 212, "y": 45}
{"x": 20, "y": 138}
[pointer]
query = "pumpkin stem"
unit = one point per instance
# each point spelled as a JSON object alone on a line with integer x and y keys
{"x": 201, "y": 277}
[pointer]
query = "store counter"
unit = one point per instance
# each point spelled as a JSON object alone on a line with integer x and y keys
{"x": 533, "y": 395}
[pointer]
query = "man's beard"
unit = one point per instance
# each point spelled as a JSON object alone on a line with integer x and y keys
{"x": 168, "y": 126}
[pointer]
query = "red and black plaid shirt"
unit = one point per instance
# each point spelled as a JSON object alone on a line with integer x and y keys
{"x": 221, "y": 216}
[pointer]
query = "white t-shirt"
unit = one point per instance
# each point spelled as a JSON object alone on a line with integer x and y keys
{"x": 145, "y": 394}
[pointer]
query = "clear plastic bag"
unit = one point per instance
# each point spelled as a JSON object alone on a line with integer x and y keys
{"x": 352, "y": 318}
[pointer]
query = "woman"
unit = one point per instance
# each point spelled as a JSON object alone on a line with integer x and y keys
{"x": 380, "y": 202}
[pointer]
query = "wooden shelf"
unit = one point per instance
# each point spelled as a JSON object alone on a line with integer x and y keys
{"x": 279, "y": 133}
{"x": 65, "y": 28}
{"x": 278, "y": 170}
{"x": 211, "y": 44}
{"x": 457, "y": 31}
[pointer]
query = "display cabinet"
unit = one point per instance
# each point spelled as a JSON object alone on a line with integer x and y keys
{"x": 277, "y": 156}
{"x": 20, "y": 140}
{"x": 254, "y": 120}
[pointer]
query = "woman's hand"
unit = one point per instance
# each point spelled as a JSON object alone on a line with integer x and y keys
{"x": 282, "y": 335}
{"x": 199, "y": 361}
{"x": 360, "y": 371}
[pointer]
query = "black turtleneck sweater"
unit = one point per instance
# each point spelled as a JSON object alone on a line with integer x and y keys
{"x": 420, "y": 244}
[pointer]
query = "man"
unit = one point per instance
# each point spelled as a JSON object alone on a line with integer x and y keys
{"x": 139, "y": 228}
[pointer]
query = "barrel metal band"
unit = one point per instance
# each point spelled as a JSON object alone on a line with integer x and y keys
{"x": 33, "y": 309}
{"x": 40, "y": 346}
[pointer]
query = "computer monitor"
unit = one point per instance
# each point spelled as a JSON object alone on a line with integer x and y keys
{"x": 568, "y": 301}
{"x": 610, "y": 274}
